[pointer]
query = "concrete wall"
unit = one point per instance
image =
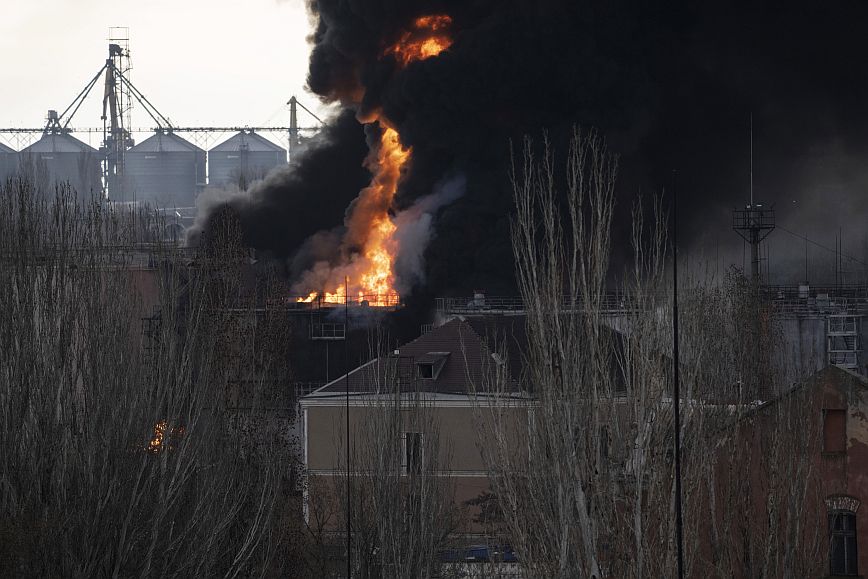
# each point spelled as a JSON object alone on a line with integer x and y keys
{"x": 460, "y": 458}
{"x": 459, "y": 452}
{"x": 804, "y": 346}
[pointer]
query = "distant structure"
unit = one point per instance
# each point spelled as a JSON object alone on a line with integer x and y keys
{"x": 60, "y": 157}
{"x": 817, "y": 326}
{"x": 165, "y": 170}
{"x": 294, "y": 136}
{"x": 8, "y": 161}
{"x": 243, "y": 158}
{"x": 820, "y": 326}
{"x": 127, "y": 172}
{"x": 754, "y": 223}
{"x": 117, "y": 103}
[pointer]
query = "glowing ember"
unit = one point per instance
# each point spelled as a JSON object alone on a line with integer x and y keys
{"x": 427, "y": 38}
{"x": 370, "y": 229}
{"x": 159, "y": 433}
{"x": 159, "y": 442}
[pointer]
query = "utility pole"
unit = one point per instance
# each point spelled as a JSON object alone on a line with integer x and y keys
{"x": 293, "y": 126}
{"x": 676, "y": 387}
{"x": 347, "y": 425}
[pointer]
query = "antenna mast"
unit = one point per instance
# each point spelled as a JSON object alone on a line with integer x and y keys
{"x": 753, "y": 223}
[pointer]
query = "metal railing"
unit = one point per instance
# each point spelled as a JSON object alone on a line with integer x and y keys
{"x": 328, "y": 331}
{"x": 386, "y": 302}
{"x": 787, "y": 300}
{"x": 610, "y": 302}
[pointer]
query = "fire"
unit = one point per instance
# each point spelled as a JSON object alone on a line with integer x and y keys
{"x": 370, "y": 229}
{"x": 332, "y": 298}
{"x": 159, "y": 432}
{"x": 428, "y": 37}
{"x": 159, "y": 442}
{"x": 371, "y": 225}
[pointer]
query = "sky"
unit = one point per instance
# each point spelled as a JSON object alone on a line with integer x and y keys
{"x": 200, "y": 62}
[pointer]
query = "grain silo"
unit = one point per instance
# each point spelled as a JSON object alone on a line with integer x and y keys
{"x": 243, "y": 158}
{"x": 8, "y": 162}
{"x": 165, "y": 170}
{"x": 59, "y": 157}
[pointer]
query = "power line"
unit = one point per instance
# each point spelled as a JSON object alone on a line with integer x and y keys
{"x": 676, "y": 387}
{"x": 821, "y": 246}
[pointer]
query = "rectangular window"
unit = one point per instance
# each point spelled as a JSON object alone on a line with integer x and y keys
{"x": 842, "y": 543}
{"x": 604, "y": 443}
{"x": 425, "y": 370}
{"x": 834, "y": 431}
{"x": 412, "y": 452}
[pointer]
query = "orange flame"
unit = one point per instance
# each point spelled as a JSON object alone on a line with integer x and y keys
{"x": 159, "y": 433}
{"x": 159, "y": 442}
{"x": 428, "y": 37}
{"x": 369, "y": 226}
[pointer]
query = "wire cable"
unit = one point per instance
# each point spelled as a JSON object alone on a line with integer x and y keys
{"x": 821, "y": 246}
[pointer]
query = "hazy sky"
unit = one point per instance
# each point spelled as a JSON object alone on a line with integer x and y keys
{"x": 200, "y": 62}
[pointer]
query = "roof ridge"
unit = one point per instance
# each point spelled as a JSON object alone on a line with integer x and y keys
{"x": 457, "y": 320}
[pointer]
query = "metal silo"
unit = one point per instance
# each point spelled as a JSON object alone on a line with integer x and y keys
{"x": 165, "y": 170}
{"x": 8, "y": 162}
{"x": 60, "y": 157}
{"x": 243, "y": 158}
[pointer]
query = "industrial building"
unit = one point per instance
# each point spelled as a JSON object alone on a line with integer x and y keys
{"x": 819, "y": 326}
{"x": 58, "y": 158}
{"x": 243, "y": 158}
{"x": 8, "y": 162}
{"x": 165, "y": 170}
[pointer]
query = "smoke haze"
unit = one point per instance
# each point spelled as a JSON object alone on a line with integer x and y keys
{"x": 672, "y": 84}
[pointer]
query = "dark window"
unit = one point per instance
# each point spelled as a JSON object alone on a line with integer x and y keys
{"x": 604, "y": 442}
{"x": 426, "y": 370}
{"x": 412, "y": 452}
{"x": 842, "y": 543}
{"x": 834, "y": 431}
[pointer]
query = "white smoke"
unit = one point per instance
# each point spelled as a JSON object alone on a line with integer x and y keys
{"x": 415, "y": 229}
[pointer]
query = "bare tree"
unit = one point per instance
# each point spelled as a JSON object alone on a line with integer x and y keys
{"x": 121, "y": 454}
{"x": 401, "y": 506}
{"x": 589, "y": 490}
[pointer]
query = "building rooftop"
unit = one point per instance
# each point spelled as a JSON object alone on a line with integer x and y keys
{"x": 450, "y": 359}
{"x": 166, "y": 142}
{"x": 59, "y": 143}
{"x": 251, "y": 142}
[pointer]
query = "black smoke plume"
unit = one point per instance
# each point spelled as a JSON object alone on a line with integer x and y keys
{"x": 672, "y": 84}
{"x": 278, "y": 214}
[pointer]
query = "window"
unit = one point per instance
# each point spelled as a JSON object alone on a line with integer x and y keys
{"x": 834, "y": 431}
{"x": 428, "y": 366}
{"x": 604, "y": 443}
{"x": 842, "y": 543}
{"x": 426, "y": 370}
{"x": 412, "y": 452}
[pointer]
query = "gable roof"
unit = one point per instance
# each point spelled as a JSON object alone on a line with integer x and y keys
{"x": 829, "y": 375}
{"x": 459, "y": 356}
